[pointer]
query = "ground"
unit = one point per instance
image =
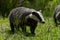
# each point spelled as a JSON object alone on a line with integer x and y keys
{"x": 47, "y": 31}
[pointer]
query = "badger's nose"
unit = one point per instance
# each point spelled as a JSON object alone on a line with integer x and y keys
{"x": 43, "y": 22}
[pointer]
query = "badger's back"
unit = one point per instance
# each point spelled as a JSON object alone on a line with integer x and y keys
{"x": 57, "y": 13}
{"x": 57, "y": 9}
{"x": 16, "y": 14}
{"x": 21, "y": 10}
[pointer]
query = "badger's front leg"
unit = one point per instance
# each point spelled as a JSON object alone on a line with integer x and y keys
{"x": 32, "y": 28}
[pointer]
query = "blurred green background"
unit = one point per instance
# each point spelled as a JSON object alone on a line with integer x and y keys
{"x": 47, "y": 6}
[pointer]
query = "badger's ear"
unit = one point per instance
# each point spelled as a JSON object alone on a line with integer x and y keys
{"x": 40, "y": 10}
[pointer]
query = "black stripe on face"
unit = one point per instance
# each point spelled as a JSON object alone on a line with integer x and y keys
{"x": 37, "y": 15}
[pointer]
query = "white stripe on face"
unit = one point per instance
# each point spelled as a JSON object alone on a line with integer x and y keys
{"x": 33, "y": 17}
{"x": 57, "y": 14}
{"x": 30, "y": 15}
{"x": 41, "y": 16}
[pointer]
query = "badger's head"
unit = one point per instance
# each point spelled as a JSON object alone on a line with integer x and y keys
{"x": 58, "y": 16}
{"x": 36, "y": 15}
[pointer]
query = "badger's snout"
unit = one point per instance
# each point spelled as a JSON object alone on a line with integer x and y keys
{"x": 43, "y": 22}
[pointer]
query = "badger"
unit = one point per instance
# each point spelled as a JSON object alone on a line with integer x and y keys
{"x": 23, "y": 16}
{"x": 57, "y": 15}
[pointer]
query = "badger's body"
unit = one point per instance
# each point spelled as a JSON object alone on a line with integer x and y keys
{"x": 57, "y": 14}
{"x": 17, "y": 15}
{"x": 21, "y": 16}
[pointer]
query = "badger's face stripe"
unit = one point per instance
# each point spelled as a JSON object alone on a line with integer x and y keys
{"x": 32, "y": 16}
{"x": 57, "y": 14}
{"x": 36, "y": 16}
{"x": 39, "y": 16}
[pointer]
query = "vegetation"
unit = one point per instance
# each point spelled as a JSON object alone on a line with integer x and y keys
{"x": 47, "y": 6}
{"x": 47, "y": 31}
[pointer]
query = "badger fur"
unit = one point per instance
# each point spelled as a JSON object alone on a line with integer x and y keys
{"x": 22, "y": 16}
{"x": 57, "y": 15}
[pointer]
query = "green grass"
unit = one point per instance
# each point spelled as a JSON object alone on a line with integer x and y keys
{"x": 45, "y": 31}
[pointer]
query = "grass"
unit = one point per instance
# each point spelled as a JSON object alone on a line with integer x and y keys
{"x": 45, "y": 31}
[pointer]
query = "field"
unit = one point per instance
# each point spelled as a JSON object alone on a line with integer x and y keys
{"x": 45, "y": 31}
